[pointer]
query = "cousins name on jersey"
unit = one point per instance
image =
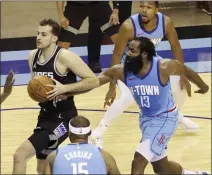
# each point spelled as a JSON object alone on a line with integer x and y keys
{"x": 48, "y": 74}
{"x": 145, "y": 90}
{"x": 78, "y": 154}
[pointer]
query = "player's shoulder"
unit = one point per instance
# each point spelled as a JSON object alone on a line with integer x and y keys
{"x": 167, "y": 63}
{"x": 32, "y": 54}
{"x": 168, "y": 21}
{"x": 164, "y": 61}
{"x": 66, "y": 54}
{"x": 127, "y": 25}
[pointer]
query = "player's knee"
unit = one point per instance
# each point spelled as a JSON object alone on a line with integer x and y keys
{"x": 19, "y": 157}
{"x": 161, "y": 166}
{"x": 139, "y": 160}
{"x": 41, "y": 165}
{"x": 40, "y": 170}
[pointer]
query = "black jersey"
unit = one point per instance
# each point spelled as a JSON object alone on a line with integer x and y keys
{"x": 48, "y": 68}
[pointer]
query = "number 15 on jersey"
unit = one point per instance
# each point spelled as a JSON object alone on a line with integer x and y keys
{"x": 80, "y": 168}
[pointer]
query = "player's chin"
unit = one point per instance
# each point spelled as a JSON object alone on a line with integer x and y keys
{"x": 145, "y": 20}
{"x": 39, "y": 46}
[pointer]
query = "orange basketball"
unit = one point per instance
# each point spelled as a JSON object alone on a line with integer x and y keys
{"x": 37, "y": 88}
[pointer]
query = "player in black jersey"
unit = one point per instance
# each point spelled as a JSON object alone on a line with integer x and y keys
{"x": 62, "y": 66}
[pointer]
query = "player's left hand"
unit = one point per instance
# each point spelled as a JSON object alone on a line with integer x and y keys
{"x": 60, "y": 98}
{"x": 114, "y": 17}
{"x": 202, "y": 90}
{"x": 58, "y": 89}
{"x": 184, "y": 83}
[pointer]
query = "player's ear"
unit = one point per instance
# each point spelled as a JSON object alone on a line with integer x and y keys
{"x": 144, "y": 54}
{"x": 54, "y": 39}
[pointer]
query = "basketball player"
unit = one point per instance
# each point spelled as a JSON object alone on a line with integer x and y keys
{"x": 79, "y": 157}
{"x": 148, "y": 78}
{"x": 154, "y": 25}
{"x": 62, "y": 66}
{"x": 8, "y": 86}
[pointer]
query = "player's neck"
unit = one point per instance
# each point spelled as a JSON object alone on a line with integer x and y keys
{"x": 145, "y": 68}
{"x": 150, "y": 25}
{"x": 47, "y": 52}
{"x": 80, "y": 141}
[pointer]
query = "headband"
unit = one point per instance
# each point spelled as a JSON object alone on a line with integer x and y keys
{"x": 79, "y": 130}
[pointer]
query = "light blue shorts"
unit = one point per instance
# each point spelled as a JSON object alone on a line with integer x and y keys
{"x": 159, "y": 130}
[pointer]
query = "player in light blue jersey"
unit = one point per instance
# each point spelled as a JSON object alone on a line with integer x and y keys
{"x": 79, "y": 157}
{"x": 148, "y": 78}
{"x": 150, "y": 23}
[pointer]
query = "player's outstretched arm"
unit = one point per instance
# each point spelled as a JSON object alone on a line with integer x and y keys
{"x": 174, "y": 67}
{"x": 111, "y": 74}
{"x": 110, "y": 162}
{"x": 8, "y": 86}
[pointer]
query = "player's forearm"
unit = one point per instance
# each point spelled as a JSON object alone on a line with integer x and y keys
{"x": 4, "y": 96}
{"x": 60, "y": 5}
{"x": 178, "y": 53}
{"x": 83, "y": 85}
{"x": 116, "y": 59}
{"x": 194, "y": 77}
{"x": 70, "y": 94}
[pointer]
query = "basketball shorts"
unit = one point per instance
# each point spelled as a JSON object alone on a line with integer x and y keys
{"x": 50, "y": 132}
{"x": 158, "y": 130}
{"x": 98, "y": 14}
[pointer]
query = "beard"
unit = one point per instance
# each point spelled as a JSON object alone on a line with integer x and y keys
{"x": 133, "y": 64}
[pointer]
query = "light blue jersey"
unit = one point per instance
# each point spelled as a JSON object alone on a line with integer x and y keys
{"x": 150, "y": 94}
{"x": 80, "y": 158}
{"x": 156, "y": 35}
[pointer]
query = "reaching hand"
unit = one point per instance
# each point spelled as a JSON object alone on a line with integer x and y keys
{"x": 114, "y": 17}
{"x": 184, "y": 83}
{"x": 110, "y": 97}
{"x": 64, "y": 22}
{"x": 9, "y": 83}
{"x": 203, "y": 90}
{"x": 58, "y": 89}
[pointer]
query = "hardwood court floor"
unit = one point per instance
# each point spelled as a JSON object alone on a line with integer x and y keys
{"x": 193, "y": 151}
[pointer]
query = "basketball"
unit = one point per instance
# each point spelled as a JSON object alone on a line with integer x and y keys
{"x": 37, "y": 88}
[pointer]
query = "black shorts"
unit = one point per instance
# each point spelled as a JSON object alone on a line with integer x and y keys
{"x": 98, "y": 13}
{"x": 50, "y": 132}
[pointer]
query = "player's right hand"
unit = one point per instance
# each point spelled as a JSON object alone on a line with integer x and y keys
{"x": 110, "y": 97}
{"x": 202, "y": 90}
{"x": 64, "y": 22}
